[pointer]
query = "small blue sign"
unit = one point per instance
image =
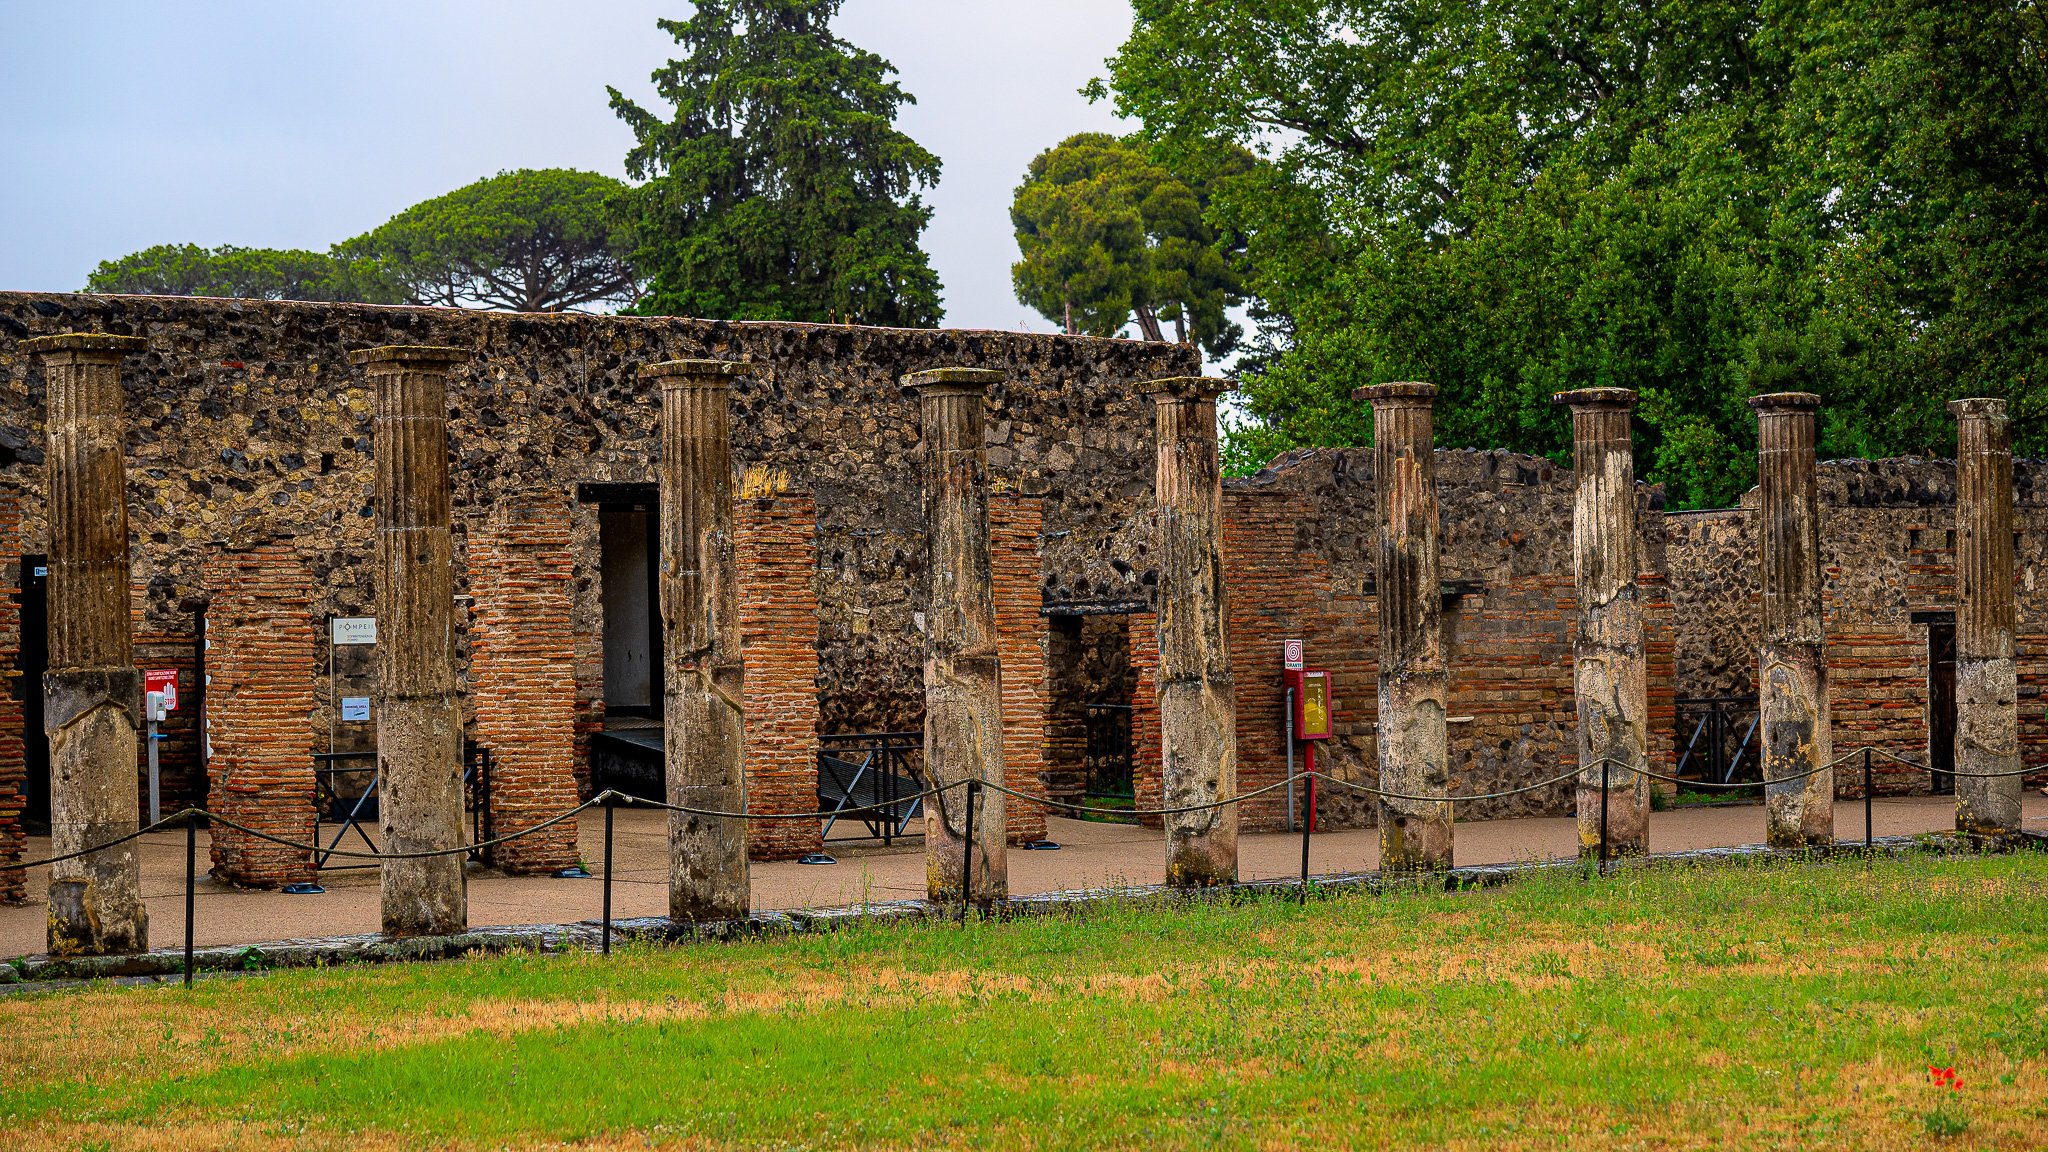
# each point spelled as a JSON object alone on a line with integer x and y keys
{"x": 355, "y": 707}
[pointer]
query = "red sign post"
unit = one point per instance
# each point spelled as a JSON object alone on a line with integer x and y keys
{"x": 1310, "y": 717}
{"x": 164, "y": 680}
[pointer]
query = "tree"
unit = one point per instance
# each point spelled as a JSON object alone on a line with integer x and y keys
{"x": 1700, "y": 201}
{"x": 248, "y": 273}
{"x": 780, "y": 188}
{"x": 1108, "y": 237}
{"x": 534, "y": 240}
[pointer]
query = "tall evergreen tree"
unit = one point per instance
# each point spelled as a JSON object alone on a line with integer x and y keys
{"x": 780, "y": 188}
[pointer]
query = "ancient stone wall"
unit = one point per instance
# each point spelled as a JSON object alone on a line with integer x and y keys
{"x": 1298, "y": 556}
{"x": 13, "y": 841}
{"x": 245, "y": 423}
{"x": 1887, "y": 553}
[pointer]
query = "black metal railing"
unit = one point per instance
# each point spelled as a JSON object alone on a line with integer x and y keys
{"x": 879, "y": 773}
{"x": 1717, "y": 740}
{"x": 345, "y": 794}
{"x": 1109, "y": 751}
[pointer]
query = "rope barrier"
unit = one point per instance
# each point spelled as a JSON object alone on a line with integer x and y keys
{"x": 621, "y": 798}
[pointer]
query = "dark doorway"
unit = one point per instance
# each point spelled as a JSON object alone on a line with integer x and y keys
{"x": 1091, "y": 682}
{"x": 1941, "y": 702}
{"x": 628, "y": 755}
{"x": 35, "y": 660}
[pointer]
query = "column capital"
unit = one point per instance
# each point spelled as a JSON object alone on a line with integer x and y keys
{"x": 942, "y": 380}
{"x": 1771, "y": 402}
{"x": 684, "y": 371}
{"x": 397, "y": 357}
{"x": 1609, "y": 399}
{"x": 1400, "y": 394}
{"x": 1187, "y": 388}
{"x": 104, "y": 344}
{"x": 1978, "y": 408}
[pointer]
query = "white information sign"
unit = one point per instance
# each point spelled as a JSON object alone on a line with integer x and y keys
{"x": 354, "y": 629}
{"x": 1290, "y": 655}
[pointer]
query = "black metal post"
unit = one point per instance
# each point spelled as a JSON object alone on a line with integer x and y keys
{"x": 191, "y": 886}
{"x": 607, "y": 946}
{"x": 1867, "y": 839}
{"x": 1305, "y": 822}
{"x": 967, "y": 860}
{"x": 1604, "y": 763}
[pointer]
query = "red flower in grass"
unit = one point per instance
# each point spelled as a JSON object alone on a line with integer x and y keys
{"x": 1944, "y": 1078}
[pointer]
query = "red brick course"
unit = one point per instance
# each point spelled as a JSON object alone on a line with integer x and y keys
{"x": 260, "y": 650}
{"x": 1021, "y": 645}
{"x": 778, "y": 571}
{"x": 522, "y": 681}
{"x": 13, "y": 885}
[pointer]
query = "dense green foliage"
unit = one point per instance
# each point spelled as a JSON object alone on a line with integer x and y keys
{"x": 780, "y": 188}
{"x": 248, "y": 273}
{"x": 1768, "y": 1006}
{"x": 535, "y": 240}
{"x": 1698, "y": 199}
{"x": 1108, "y": 236}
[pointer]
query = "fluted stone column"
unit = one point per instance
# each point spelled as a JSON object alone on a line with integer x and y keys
{"x": 1611, "y": 677}
{"x": 704, "y": 732}
{"x": 1987, "y": 613}
{"x": 1415, "y": 835}
{"x": 419, "y": 719}
{"x": 1792, "y": 671}
{"x": 91, "y": 691}
{"x": 963, "y": 690}
{"x": 1197, "y": 697}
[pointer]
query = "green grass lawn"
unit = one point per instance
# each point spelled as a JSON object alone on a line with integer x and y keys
{"x": 1787, "y": 1006}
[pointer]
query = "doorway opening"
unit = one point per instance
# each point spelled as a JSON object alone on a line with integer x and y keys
{"x": 627, "y": 755}
{"x": 1941, "y": 699}
{"x": 35, "y": 660}
{"x": 1091, "y": 683}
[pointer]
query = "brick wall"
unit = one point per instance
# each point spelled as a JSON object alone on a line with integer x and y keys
{"x": 778, "y": 565}
{"x": 1887, "y": 552}
{"x": 1021, "y": 646}
{"x": 1146, "y": 749}
{"x": 13, "y": 885}
{"x": 261, "y": 638}
{"x": 522, "y": 683}
{"x": 1298, "y": 554}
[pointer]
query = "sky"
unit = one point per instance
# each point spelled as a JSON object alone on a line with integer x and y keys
{"x": 296, "y": 124}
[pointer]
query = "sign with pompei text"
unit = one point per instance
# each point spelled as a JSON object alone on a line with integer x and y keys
{"x": 354, "y": 629}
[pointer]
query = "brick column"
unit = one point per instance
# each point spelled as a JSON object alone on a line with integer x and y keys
{"x": 1987, "y": 614}
{"x": 1147, "y": 784}
{"x": 1197, "y": 697}
{"x": 92, "y": 691}
{"x": 778, "y": 572}
{"x": 1611, "y": 672}
{"x": 963, "y": 719}
{"x": 1415, "y": 835}
{"x": 419, "y": 721}
{"x": 259, "y": 709}
{"x": 1792, "y": 670}
{"x": 1021, "y": 640}
{"x": 522, "y": 645}
{"x": 703, "y": 728}
{"x": 13, "y": 761}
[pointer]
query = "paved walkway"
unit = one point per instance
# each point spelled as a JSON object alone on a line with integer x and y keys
{"x": 1092, "y": 855}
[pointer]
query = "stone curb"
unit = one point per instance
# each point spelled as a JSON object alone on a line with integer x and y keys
{"x": 31, "y": 973}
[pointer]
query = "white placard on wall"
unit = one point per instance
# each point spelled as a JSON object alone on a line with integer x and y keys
{"x": 354, "y": 629}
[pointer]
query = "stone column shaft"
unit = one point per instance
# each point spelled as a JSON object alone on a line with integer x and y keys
{"x": 1611, "y": 674}
{"x": 703, "y": 726}
{"x": 1987, "y": 614}
{"x": 1197, "y": 696}
{"x": 1414, "y": 683}
{"x": 419, "y": 718}
{"x": 92, "y": 691}
{"x": 1792, "y": 672}
{"x": 963, "y": 711}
